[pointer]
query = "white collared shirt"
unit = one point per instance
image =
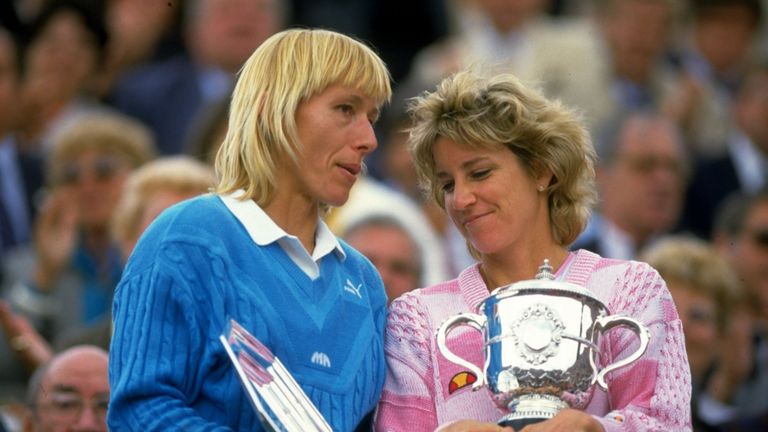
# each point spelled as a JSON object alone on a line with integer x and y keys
{"x": 263, "y": 231}
{"x": 615, "y": 242}
{"x": 750, "y": 165}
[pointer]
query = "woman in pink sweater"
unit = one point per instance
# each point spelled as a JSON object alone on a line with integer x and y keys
{"x": 514, "y": 172}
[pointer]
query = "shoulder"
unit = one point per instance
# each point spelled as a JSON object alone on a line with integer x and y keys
{"x": 424, "y": 309}
{"x": 356, "y": 261}
{"x": 202, "y": 222}
{"x": 204, "y": 213}
{"x": 629, "y": 286}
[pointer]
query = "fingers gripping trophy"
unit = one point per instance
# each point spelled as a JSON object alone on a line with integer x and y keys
{"x": 541, "y": 339}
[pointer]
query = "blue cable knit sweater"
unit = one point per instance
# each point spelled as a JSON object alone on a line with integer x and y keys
{"x": 195, "y": 268}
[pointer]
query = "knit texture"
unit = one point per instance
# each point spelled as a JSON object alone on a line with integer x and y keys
{"x": 424, "y": 390}
{"x": 195, "y": 268}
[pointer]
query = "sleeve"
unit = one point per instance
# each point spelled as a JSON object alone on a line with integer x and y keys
{"x": 654, "y": 392}
{"x": 157, "y": 352}
{"x": 408, "y": 400}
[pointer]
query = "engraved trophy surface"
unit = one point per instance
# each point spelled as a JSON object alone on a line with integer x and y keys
{"x": 541, "y": 341}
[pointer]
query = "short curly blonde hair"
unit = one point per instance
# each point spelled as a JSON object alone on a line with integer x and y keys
{"x": 690, "y": 260}
{"x": 180, "y": 174}
{"x": 499, "y": 112}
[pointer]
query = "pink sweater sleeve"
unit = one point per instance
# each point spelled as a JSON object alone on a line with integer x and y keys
{"x": 407, "y": 402}
{"x": 652, "y": 394}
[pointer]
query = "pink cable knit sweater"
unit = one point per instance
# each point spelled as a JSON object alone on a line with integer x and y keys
{"x": 423, "y": 390}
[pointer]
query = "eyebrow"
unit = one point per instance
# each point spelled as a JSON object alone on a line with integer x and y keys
{"x": 466, "y": 165}
{"x": 68, "y": 389}
{"x": 357, "y": 99}
{"x": 63, "y": 388}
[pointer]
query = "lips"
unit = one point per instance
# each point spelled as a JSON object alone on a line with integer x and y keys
{"x": 469, "y": 219}
{"x": 352, "y": 168}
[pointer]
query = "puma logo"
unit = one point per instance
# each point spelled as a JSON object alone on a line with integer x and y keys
{"x": 350, "y": 287}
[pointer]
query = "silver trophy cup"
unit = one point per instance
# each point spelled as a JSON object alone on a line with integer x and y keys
{"x": 541, "y": 340}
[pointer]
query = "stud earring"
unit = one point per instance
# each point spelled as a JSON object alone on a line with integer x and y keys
{"x": 540, "y": 188}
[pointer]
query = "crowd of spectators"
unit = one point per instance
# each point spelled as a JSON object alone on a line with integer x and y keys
{"x": 112, "y": 110}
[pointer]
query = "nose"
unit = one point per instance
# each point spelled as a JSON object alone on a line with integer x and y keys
{"x": 89, "y": 421}
{"x": 461, "y": 197}
{"x": 366, "y": 140}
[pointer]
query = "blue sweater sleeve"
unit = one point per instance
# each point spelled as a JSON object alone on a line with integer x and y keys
{"x": 157, "y": 353}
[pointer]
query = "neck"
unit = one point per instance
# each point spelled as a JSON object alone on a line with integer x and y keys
{"x": 296, "y": 217}
{"x": 498, "y": 270}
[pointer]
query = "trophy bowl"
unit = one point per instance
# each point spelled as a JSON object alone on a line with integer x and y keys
{"x": 541, "y": 341}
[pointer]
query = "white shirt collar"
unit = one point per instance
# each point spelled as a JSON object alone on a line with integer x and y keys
{"x": 615, "y": 242}
{"x": 263, "y": 231}
{"x": 750, "y": 164}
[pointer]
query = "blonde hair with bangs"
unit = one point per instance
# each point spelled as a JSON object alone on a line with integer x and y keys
{"x": 288, "y": 68}
{"x": 499, "y": 112}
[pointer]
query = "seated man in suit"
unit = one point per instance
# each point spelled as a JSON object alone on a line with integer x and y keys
{"x": 641, "y": 179}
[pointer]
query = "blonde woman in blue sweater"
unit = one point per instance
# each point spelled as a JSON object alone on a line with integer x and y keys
{"x": 257, "y": 250}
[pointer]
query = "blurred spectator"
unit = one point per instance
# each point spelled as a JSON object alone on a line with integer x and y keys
{"x": 745, "y": 165}
{"x": 641, "y": 177}
{"x": 389, "y": 246}
{"x": 705, "y": 290}
{"x": 208, "y": 133}
{"x": 398, "y": 29}
{"x": 63, "y": 50}
{"x": 724, "y": 40}
{"x": 140, "y": 31}
{"x": 67, "y": 278}
{"x": 718, "y": 46}
{"x": 149, "y": 190}
{"x": 558, "y": 55}
{"x": 70, "y": 393}
{"x": 736, "y": 391}
{"x": 501, "y": 32}
{"x": 368, "y": 198}
{"x": 15, "y": 219}
{"x": 22, "y": 350}
{"x": 393, "y": 165}
{"x": 15, "y": 216}
{"x": 168, "y": 96}
{"x": 630, "y": 70}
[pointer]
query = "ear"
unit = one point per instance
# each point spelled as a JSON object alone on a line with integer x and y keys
{"x": 542, "y": 175}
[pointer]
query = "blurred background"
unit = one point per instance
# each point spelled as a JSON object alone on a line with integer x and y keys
{"x": 95, "y": 94}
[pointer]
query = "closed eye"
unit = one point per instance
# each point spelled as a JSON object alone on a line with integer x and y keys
{"x": 480, "y": 174}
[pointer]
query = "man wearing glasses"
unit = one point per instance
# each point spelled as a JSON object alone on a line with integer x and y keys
{"x": 70, "y": 393}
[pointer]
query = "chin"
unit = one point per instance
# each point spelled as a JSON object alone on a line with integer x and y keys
{"x": 336, "y": 201}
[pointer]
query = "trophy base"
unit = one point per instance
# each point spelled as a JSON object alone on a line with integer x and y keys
{"x": 519, "y": 423}
{"x": 530, "y": 409}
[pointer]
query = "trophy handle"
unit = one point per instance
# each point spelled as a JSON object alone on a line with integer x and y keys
{"x": 603, "y": 324}
{"x": 473, "y": 320}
